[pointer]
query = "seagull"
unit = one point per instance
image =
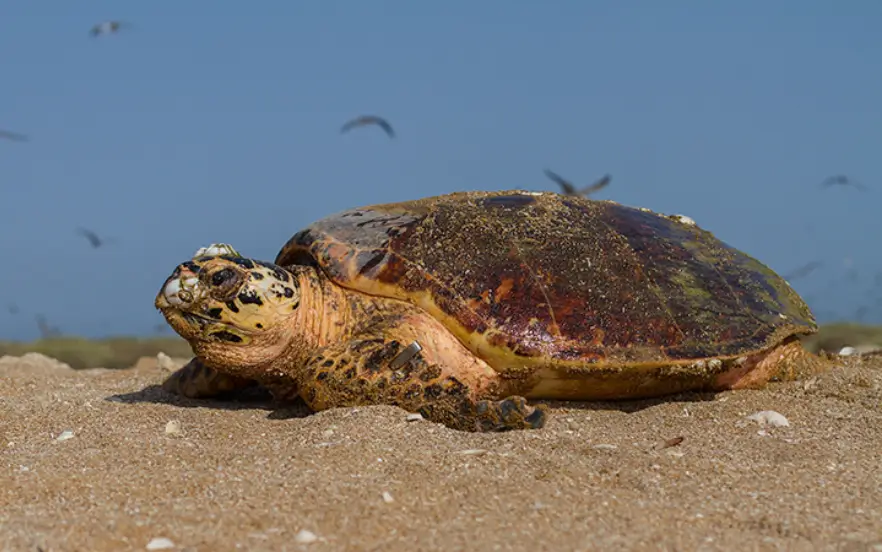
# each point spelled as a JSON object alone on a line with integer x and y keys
{"x": 107, "y": 27}
{"x": 13, "y": 136}
{"x": 94, "y": 240}
{"x": 842, "y": 180}
{"x": 46, "y": 329}
{"x": 369, "y": 120}
{"x": 803, "y": 271}
{"x": 569, "y": 189}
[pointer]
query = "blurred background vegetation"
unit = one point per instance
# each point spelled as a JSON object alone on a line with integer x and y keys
{"x": 114, "y": 352}
{"x": 123, "y": 352}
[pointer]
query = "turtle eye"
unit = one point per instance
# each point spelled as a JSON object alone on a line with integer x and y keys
{"x": 225, "y": 283}
{"x": 222, "y": 276}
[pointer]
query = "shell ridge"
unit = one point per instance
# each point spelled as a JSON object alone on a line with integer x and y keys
{"x": 656, "y": 289}
{"x": 736, "y": 252}
{"x": 738, "y": 299}
{"x": 541, "y": 289}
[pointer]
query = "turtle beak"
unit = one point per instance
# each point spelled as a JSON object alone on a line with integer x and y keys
{"x": 180, "y": 291}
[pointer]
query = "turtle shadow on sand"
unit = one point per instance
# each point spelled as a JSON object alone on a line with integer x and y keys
{"x": 259, "y": 398}
{"x": 630, "y": 406}
{"x": 248, "y": 399}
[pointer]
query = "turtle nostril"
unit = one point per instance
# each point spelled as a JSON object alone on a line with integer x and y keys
{"x": 222, "y": 276}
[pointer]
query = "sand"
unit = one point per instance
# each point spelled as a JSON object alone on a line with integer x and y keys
{"x": 140, "y": 465}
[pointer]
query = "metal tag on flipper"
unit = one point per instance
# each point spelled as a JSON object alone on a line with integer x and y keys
{"x": 406, "y": 355}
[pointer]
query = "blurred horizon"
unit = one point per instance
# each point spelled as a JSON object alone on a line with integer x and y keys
{"x": 210, "y": 123}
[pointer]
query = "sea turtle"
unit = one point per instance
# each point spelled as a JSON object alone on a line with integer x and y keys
{"x": 463, "y": 306}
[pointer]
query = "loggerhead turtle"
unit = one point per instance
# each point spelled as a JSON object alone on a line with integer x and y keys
{"x": 463, "y": 306}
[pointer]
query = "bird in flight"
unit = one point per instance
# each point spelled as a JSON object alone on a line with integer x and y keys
{"x": 107, "y": 27}
{"x": 13, "y": 136}
{"x": 94, "y": 240}
{"x": 803, "y": 271}
{"x": 842, "y": 180}
{"x": 369, "y": 120}
{"x": 569, "y": 189}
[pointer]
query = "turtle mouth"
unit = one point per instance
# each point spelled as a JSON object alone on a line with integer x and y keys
{"x": 195, "y": 325}
{"x": 192, "y": 312}
{"x": 176, "y": 316}
{"x": 201, "y": 331}
{"x": 198, "y": 319}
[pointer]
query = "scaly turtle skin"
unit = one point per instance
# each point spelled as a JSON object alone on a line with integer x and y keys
{"x": 463, "y": 306}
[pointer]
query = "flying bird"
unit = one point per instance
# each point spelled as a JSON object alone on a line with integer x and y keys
{"x": 47, "y": 330}
{"x": 13, "y": 136}
{"x": 842, "y": 180}
{"x": 94, "y": 240}
{"x": 369, "y": 120}
{"x": 803, "y": 271}
{"x": 107, "y": 27}
{"x": 569, "y": 189}
{"x": 861, "y": 313}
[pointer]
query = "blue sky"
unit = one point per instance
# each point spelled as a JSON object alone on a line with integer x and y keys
{"x": 219, "y": 121}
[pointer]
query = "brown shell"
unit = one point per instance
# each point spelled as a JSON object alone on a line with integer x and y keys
{"x": 526, "y": 279}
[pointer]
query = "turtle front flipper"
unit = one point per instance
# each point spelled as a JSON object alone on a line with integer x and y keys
{"x": 197, "y": 381}
{"x": 392, "y": 368}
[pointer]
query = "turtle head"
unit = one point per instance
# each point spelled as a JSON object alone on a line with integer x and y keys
{"x": 235, "y": 312}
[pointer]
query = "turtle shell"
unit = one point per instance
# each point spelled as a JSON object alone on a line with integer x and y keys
{"x": 524, "y": 278}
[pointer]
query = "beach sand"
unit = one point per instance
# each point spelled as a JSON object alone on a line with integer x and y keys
{"x": 140, "y": 465}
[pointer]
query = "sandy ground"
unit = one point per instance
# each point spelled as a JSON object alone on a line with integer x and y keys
{"x": 241, "y": 475}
